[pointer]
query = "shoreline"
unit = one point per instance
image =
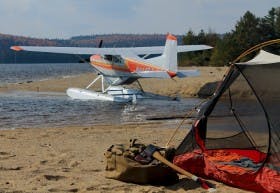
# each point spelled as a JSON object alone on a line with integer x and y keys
{"x": 184, "y": 87}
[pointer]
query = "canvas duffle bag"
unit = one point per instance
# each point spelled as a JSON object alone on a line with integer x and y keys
{"x": 121, "y": 165}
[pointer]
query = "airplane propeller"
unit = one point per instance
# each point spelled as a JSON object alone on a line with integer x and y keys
{"x": 100, "y": 44}
{"x": 87, "y": 59}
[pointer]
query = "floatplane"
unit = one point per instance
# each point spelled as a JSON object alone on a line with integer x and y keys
{"x": 121, "y": 66}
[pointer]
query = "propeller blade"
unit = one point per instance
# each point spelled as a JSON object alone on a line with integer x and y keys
{"x": 100, "y": 44}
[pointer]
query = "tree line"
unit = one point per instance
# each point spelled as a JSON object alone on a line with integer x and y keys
{"x": 249, "y": 31}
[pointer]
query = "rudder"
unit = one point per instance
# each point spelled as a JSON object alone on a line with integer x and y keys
{"x": 170, "y": 53}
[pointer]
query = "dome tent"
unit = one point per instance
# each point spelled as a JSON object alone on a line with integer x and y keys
{"x": 236, "y": 137}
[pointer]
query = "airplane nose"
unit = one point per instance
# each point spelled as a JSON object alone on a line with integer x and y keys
{"x": 95, "y": 57}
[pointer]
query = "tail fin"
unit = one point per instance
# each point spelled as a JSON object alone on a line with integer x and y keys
{"x": 168, "y": 59}
{"x": 170, "y": 53}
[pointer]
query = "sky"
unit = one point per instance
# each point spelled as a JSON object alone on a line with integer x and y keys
{"x": 63, "y": 19}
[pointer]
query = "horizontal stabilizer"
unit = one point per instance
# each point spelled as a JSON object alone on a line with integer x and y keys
{"x": 191, "y": 48}
{"x": 187, "y": 73}
{"x": 153, "y": 74}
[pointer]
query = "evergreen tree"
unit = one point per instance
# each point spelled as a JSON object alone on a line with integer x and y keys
{"x": 198, "y": 58}
{"x": 222, "y": 52}
{"x": 246, "y": 33}
{"x": 270, "y": 29}
{"x": 277, "y": 23}
{"x": 267, "y": 26}
{"x": 189, "y": 38}
{"x": 201, "y": 37}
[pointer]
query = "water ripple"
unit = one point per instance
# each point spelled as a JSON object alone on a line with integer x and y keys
{"x": 32, "y": 109}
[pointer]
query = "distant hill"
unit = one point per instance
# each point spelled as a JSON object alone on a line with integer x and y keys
{"x": 109, "y": 40}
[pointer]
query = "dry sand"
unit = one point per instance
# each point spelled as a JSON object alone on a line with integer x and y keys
{"x": 71, "y": 159}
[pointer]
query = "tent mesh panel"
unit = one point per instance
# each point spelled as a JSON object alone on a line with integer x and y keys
{"x": 265, "y": 80}
{"x": 237, "y": 111}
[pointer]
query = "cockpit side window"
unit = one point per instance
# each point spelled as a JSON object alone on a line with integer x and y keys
{"x": 108, "y": 57}
{"x": 117, "y": 59}
{"x": 114, "y": 59}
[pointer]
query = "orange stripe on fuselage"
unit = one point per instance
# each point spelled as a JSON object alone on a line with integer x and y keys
{"x": 135, "y": 65}
{"x": 109, "y": 66}
{"x": 131, "y": 66}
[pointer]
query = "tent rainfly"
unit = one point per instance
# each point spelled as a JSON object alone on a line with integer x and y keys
{"x": 236, "y": 138}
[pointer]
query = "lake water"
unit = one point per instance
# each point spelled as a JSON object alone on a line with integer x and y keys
{"x": 32, "y": 109}
{"x": 12, "y": 73}
{"x": 38, "y": 109}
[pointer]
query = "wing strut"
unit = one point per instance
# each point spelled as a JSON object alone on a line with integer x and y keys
{"x": 102, "y": 82}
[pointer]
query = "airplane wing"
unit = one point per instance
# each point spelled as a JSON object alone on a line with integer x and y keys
{"x": 108, "y": 51}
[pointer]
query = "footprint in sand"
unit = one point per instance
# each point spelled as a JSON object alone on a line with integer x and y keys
{"x": 73, "y": 190}
{"x": 91, "y": 170}
{"x": 74, "y": 163}
{"x": 43, "y": 162}
{"x": 54, "y": 177}
{"x": 6, "y": 155}
{"x": 11, "y": 138}
{"x": 59, "y": 190}
{"x": 66, "y": 169}
{"x": 10, "y": 168}
{"x": 91, "y": 188}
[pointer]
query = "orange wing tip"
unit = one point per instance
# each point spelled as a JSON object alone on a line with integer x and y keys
{"x": 16, "y": 48}
{"x": 171, "y": 37}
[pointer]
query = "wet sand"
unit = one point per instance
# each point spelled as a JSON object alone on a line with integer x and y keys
{"x": 71, "y": 159}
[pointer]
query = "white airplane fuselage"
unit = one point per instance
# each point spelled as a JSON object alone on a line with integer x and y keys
{"x": 123, "y": 69}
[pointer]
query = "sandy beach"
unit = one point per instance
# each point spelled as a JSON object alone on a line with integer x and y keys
{"x": 71, "y": 159}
